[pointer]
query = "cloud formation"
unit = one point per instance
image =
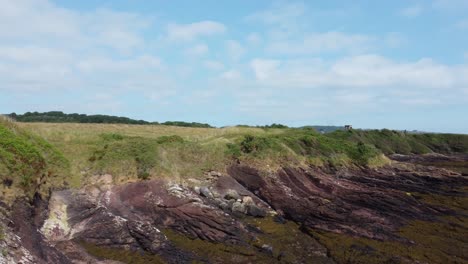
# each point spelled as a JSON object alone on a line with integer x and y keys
{"x": 188, "y": 32}
{"x": 277, "y": 63}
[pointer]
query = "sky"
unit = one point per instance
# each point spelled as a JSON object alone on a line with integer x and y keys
{"x": 399, "y": 64}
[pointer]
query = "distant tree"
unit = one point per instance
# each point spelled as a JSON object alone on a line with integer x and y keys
{"x": 60, "y": 117}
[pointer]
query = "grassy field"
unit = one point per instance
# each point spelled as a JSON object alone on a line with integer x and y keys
{"x": 133, "y": 152}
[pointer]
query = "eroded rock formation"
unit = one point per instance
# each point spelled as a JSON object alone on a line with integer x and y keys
{"x": 243, "y": 216}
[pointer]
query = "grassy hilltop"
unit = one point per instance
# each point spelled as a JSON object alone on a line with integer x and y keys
{"x": 142, "y": 151}
{"x": 36, "y": 156}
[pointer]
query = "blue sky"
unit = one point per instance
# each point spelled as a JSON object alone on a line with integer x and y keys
{"x": 374, "y": 64}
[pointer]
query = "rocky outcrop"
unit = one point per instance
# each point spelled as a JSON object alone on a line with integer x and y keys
{"x": 132, "y": 217}
{"x": 244, "y": 216}
{"x": 20, "y": 239}
{"x": 362, "y": 202}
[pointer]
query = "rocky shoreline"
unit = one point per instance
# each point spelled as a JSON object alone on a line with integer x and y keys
{"x": 244, "y": 216}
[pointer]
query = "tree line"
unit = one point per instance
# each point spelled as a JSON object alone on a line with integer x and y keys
{"x": 60, "y": 117}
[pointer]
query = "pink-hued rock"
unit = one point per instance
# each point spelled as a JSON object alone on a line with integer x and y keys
{"x": 361, "y": 202}
{"x": 366, "y": 202}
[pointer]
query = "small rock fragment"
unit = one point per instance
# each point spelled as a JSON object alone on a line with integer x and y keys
{"x": 267, "y": 248}
{"x": 231, "y": 195}
{"x": 255, "y": 211}
{"x": 238, "y": 208}
{"x": 279, "y": 219}
{"x": 247, "y": 200}
{"x": 206, "y": 192}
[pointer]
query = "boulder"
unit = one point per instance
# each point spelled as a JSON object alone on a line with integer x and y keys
{"x": 224, "y": 206}
{"x": 255, "y": 211}
{"x": 247, "y": 200}
{"x": 231, "y": 195}
{"x": 238, "y": 208}
{"x": 204, "y": 191}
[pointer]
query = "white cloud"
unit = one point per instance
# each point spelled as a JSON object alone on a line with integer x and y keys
{"x": 254, "y": 39}
{"x": 188, "y": 32}
{"x": 263, "y": 69}
{"x": 43, "y": 23}
{"x": 213, "y": 65}
{"x": 374, "y": 70}
{"x": 198, "y": 50}
{"x": 105, "y": 64}
{"x": 33, "y": 54}
{"x": 324, "y": 42}
{"x": 364, "y": 71}
{"x": 49, "y": 48}
{"x": 231, "y": 75}
{"x": 353, "y": 98}
{"x": 279, "y": 14}
{"x": 411, "y": 11}
{"x": 234, "y": 49}
{"x": 46, "y": 49}
{"x": 284, "y": 19}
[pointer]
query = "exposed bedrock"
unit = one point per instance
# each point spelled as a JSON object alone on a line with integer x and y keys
{"x": 244, "y": 216}
{"x": 131, "y": 217}
{"x": 136, "y": 216}
{"x": 371, "y": 203}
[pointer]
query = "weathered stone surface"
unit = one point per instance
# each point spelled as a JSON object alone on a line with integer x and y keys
{"x": 230, "y": 214}
{"x": 365, "y": 202}
{"x": 31, "y": 243}
{"x": 255, "y": 211}
{"x": 247, "y": 200}
{"x": 267, "y": 248}
{"x": 238, "y": 208}
{"x": 206, "y": 192}
{"x": 231, "y": 195}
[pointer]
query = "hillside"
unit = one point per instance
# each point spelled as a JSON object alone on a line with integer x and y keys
{"x": 28, "y": 163}
{"x": 168, "y": 194}
{"x": 142, "y": 151}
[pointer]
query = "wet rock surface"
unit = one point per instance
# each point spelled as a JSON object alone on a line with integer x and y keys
{"x": 293, "y": 215}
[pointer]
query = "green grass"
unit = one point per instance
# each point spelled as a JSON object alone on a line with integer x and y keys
{"x": 27, "y": 161}
{"x": 298, "y": 145}
{"x": 129, "y": 151}
{"x": 390, "y": 142}
{"x": 132, "y": 152}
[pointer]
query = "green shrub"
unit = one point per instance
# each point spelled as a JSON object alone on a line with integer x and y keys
{"x": 233, "y": 150}
{"x": 362, "y": 153}
{"x": 28, "y": 158}
{"x": 252, "y": 144}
